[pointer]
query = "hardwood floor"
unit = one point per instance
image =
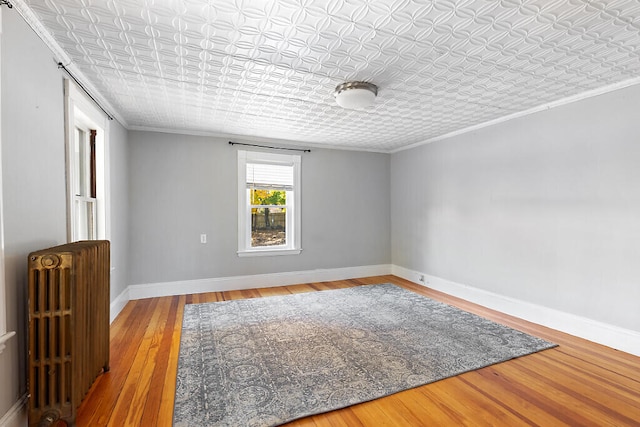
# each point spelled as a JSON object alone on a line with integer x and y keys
{"x": 578, "y": 383}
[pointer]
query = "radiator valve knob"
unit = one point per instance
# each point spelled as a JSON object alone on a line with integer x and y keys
{"x": 48, "y": 418}
{"x": 50, "y": 261}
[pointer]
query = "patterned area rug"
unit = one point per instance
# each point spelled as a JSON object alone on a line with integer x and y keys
{"x": 266, "y": 361}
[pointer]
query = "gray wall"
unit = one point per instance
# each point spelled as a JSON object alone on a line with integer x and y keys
{"x": 544, "y": 208}
{"x": 33, "y": 180}
{"x": 183, "y": 186}
{"x": 33, "y": 167}
{"x": 119, "y": 205}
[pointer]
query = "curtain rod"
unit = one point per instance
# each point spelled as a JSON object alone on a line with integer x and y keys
{"x": 61, "y": 65}
{"x": 268, "y": 146}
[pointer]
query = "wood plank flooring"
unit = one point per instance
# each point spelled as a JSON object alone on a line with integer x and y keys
{"x": 578, "y": 383}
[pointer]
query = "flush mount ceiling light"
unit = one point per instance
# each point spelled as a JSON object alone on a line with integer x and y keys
{"x": 355, "y": 95}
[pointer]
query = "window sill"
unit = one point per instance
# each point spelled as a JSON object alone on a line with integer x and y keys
{"x": 269, "y": 252}
{"x": 4, "y": 338}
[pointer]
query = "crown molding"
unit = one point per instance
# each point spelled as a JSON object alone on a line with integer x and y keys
{"x": 61, "y": 56}
{"x": 554, "y": 104}
{"x": 32, "y": 20}
{"x": 254, "y": 139}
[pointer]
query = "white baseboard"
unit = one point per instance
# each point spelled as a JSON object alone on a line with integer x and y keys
{"x": 626, "y": 340}
{"x": 118, "y": 304}
{"x": 619, "y": 338}
{"x": 4, "y": 338}
{"x": 16, "y": 416}
{"x": 254, "y": 281}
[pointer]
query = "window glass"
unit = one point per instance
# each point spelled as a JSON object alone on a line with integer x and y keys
{"x": 268, "y": 217}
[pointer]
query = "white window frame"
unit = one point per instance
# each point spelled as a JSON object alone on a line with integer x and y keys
{"x": 293, "y": 246}
{"x": 82, "y": 113}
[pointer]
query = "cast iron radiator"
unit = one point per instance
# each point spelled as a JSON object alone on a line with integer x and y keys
{"x": 68, "y": 327}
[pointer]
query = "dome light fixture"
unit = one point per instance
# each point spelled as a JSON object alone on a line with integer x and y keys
{"x": 355, "y": 95}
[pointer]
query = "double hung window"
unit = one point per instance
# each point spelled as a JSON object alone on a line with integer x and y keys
{"x": 87, "y": 167}
{"x": 268, "y": 204}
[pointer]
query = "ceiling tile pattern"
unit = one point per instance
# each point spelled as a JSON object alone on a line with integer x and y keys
{"x": 268, "y": 68}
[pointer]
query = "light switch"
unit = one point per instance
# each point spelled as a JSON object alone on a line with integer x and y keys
{"x": 203, "y": 238}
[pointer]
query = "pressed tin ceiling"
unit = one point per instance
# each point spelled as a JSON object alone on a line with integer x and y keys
{"x": 268, "y": 68}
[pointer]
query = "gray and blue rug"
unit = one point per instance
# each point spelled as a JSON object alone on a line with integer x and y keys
{"x": 266, "y": 361}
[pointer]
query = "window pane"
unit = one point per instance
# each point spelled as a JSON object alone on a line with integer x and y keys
{"x": 268, "y": 227}
{"x": 82, "y": 164}
{"x": 268, "y": 197}
{"x": 85, "y": 228}
{"x": 77, "y": 163}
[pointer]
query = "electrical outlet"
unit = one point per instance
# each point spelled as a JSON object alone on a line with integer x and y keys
{"x": 203, "y": 238}
{"x": 421, "y": 278}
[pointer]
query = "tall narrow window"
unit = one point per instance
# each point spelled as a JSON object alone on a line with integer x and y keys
{"x": 87, "y": 167}
{"x": 268, "y": 204}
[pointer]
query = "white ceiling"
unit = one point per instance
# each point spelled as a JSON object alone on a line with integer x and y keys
{"x": 268, "y": 68}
